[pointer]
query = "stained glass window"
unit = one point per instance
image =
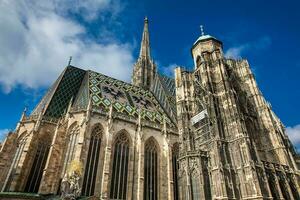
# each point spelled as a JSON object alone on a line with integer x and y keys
{"x": 118, "y": 183}
{"x": 195, "y": 185}
{"x": 16, "y": 160}
{"x": 150, "y": 170}
{"x": 71, "y": 142}
{"x": 38, "y": 165}
{"x": 182, "y": 186}
{"x": 92, "y": 161}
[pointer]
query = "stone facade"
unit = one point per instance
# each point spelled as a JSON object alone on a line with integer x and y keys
{"x": 207, "y": 134}
{"x": 229, "y": 136}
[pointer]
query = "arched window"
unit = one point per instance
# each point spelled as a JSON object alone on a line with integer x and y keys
{"x": 175, "y": 152}
{"x": 118, "y": 183}
{"x": 195, "y": 185}
{"x": 38, "y": 165}
{"x": 182, "y": 186}
{"x": 206, "y": 175}
{"x": 92, "y": 161}
{"x": 150, "y": 170}
{"x": 15, "y": 163}
{"x": 72, "y": 138}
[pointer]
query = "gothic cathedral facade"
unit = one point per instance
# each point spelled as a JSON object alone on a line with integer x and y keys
{"x": 205, "y": 134}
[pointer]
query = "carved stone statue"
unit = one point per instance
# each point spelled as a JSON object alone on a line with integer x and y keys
{"x": 70, "y": 189}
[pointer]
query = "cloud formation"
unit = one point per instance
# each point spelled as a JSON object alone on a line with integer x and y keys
{"x": 37, "y": 37}
{"x": 236, "y": 52}
{"x": 294, "y": 135}
{"x": 169, "y": 70}
{"x": 3, "y": 133}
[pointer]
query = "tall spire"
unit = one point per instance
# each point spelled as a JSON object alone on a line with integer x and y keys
{"x": 145, "y": 44}
{"x": 144, "y": 69}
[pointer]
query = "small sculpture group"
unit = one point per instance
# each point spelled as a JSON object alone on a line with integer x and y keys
{"x": 70, "y": 189}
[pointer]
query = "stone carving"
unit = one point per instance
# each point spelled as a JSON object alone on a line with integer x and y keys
{"x": 70, "y": 189}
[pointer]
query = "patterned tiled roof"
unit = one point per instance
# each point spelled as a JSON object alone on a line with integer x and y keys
{"x": 56, "y": 100}
{"x": 163, "y": 89}
{"x": 105, "y": 92}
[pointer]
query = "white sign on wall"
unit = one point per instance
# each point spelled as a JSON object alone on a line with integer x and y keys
{"x": 199, "y": 117}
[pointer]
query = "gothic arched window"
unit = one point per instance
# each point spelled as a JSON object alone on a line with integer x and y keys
{"x": 175, "y": 152}
{"x": 118, "y": 183}
{"x": 38, "y": 165}
{"x": 195, "y": 185}
{"x": 72, "y": 138}
{"x": 92, "y": 161}
{"x": 16, "y": 160}
{"x": 182, "y": 186}
{"x": 150, "y": 170}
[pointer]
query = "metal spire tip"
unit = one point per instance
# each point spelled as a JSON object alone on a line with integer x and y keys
{"x": 202, "y": 30}
{"x": 70, "y": 60}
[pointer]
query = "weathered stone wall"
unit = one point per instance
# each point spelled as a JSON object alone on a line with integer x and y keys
{"x": 241, "y": 134}
{"x": 7, "y": 152}
{"x": 137, "y": 132}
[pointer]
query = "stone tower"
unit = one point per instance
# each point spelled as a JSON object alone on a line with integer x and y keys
{"x": 207, "y": 134}
{"x": 144, "y": 69}
{"x": 232, "y": 145}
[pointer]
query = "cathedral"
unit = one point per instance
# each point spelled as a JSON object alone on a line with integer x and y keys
{"x": 204, "y": 134}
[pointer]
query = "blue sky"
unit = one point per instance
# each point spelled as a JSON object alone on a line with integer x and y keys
{"x": 104, "y": 35}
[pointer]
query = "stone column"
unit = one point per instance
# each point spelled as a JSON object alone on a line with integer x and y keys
{"x": 277, "y": 186}
{"x": 106, "y": 165}
{"x": 170, "y": 173}
{"x": 140, "y": 169}
{"x": 7, "y": 152}
{"x": 51, "y": 176}
{"x": 283, "y": 177}
{"x": 165, "y": 175}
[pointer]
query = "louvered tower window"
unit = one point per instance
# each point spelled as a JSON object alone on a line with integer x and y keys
{"x": 38, "y": 165}
{"x": 150, "y": 170}
{"x": 195, "y": 185}
{"x": 92, "y": 161}
{"x": 72, "y": 138}
{"x": 118, "y": 183}
{"x": 15, "y": 163}
{"x": 175, "y": 151}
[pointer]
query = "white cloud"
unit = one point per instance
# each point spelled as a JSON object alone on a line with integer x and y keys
{"x": 37, "y": 37}
{"x": 3, "y": 133}
{"x": 236, "y": 52}
{"x": 169, "y": 70}
{"x": 294, "y": 134}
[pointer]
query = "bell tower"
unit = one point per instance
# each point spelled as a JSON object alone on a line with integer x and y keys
{"x": 206, "y": 48}
{"x": 144, "y": 69}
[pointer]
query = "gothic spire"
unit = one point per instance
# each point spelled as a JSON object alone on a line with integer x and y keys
{"x": 144, "y": 69}
{"x": 145, "y": 44}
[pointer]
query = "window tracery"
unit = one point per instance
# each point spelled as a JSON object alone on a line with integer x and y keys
{"x": 151, "y": 170}
{"x": 72, "y": 138}
{"x": 90, "y": 174}
{"x": 38, "y": 165}
{"x": 118, "y": 183}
